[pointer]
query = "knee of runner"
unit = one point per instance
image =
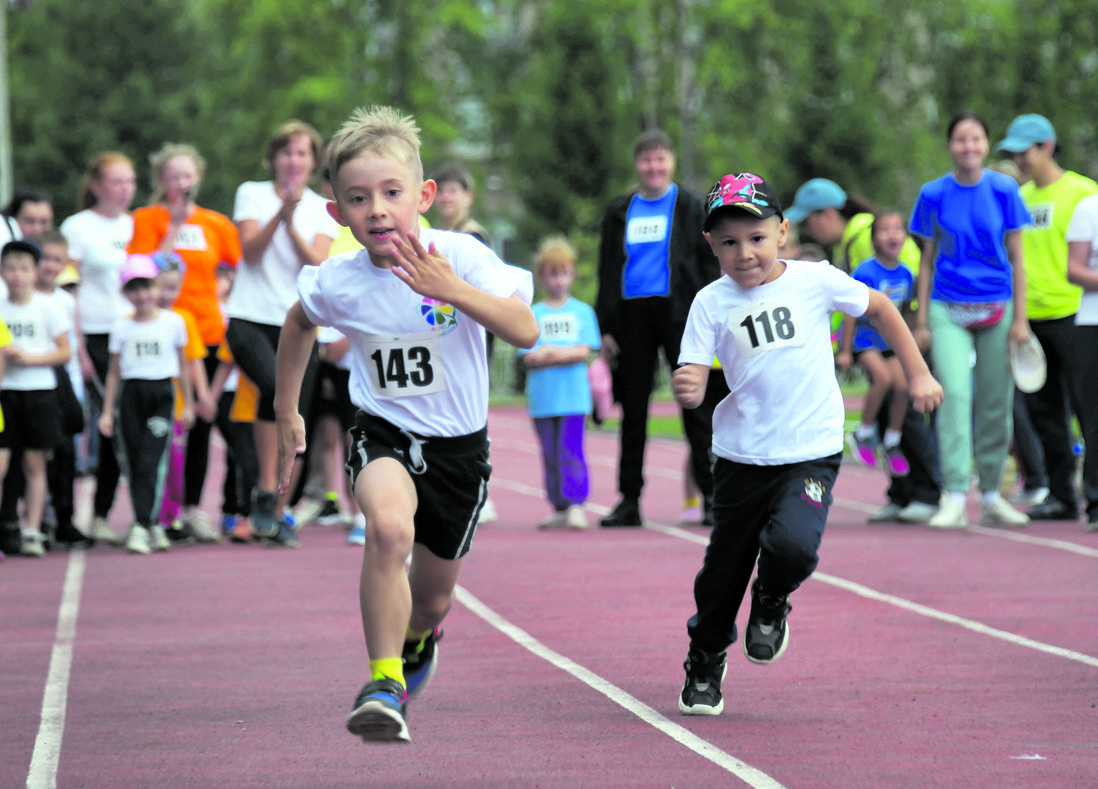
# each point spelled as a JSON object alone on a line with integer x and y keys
{"x": 390, "y": 533}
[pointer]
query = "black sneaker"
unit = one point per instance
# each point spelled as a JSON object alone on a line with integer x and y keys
{"x": 329, "y": 514}
{"x": 767, "y": 634}
{"x": 627, "y": 513}
{"x": 701, "y": 693}
{"x": 378, "y": 714}
{"x": 420, "y": 662}
{"x": 264, "y": 521}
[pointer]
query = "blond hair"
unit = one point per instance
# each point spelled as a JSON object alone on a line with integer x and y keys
{"x": 159, "y": 160}
{"x": 379, "y": 130}
{"x": 554, "y": 253}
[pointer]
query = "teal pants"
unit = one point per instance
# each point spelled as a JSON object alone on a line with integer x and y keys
{"x": 976, "y": 417}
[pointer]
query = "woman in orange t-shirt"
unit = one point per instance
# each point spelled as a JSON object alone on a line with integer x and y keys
{"x": 174, "y": 225}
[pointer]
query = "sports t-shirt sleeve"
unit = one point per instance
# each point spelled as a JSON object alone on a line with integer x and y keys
{"x": 311, "y": 295}
{"x": 699, "y": 339}
{"x": 924, "y": 216}
{"x": 849, "y": 295}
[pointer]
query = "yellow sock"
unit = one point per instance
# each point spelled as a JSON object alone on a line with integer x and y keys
{"x": 690, "y": 501}
{"x": 412, "y": 635}
{"x": 392, "y": 668}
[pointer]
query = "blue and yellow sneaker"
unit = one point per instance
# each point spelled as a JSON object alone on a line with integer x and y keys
{"x": 378, "y": 713}
{"x": 420, "y": 662}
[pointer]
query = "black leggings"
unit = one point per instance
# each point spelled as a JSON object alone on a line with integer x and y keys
{"x": 145, "y": 428}
{"x": 107, "y": 472}
{"x": 255, "y": 347}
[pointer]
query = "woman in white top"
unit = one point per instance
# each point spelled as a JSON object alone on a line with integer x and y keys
{"x": 284, "y": 225}
{"x": 97, "y": 236}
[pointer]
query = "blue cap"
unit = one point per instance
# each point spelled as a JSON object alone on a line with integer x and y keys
{"x": 815, "y": 195}
{"x": 1026, "y": 130}
{"x": 28, "y": 245}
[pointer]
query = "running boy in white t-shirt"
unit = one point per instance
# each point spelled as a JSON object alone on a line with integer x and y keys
{"x": 778, "y": 435}
{"x": 414, "y": 305}
{"x": 146, "y": 355}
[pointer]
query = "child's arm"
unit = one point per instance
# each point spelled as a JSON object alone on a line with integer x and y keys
{"x": 844, "y": 359}
{"x": 556, "y": 356}
{"x": 926, "y": 393}
{"x": 430, "y": 274}
{"x": 110, "y": 389}
{"x": 294, "y": 346}
{"x": 922, "y": 293}
{"x": 59, "y": 355}
{"x": 688, "y": 384}
{"x": 1019, "y": 327}
{"x": 187, "y": 417}
{"x": 221, "y": 376}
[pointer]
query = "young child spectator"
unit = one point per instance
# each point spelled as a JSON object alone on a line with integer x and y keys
{"x": 61, "y": 462}
{"x": 146, "y": 355}
{"x": 863, "y": 344}
{"x": 10, "y": 537}
{"x": 778, "y": 436}
{"x": 175, "y": 514}
{"x": 558, "y": 395}
{"x": 28, "y": 390}
{"x": 415, "y": 305}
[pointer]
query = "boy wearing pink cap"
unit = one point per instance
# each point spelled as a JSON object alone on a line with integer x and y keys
{"x": 778, "y": 435}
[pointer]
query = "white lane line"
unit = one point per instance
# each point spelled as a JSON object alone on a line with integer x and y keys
{"x": 745, "y": 772}
{"x": 47, "y": 745}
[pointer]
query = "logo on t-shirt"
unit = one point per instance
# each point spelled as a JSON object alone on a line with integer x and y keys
{"x": 439, "y": 315}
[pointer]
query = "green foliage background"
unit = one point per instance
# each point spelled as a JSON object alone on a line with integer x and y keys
{"x": 543, "y": 98}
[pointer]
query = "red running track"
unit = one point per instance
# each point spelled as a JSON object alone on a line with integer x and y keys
{"x": 917, "y": 658}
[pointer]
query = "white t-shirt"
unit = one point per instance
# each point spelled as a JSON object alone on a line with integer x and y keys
{"x": 35, "y": 327}
{"x": 774, "y": 345}
{"x": 67, "y": 304}
{"x": 99, "y": 246}
{"x": 418, "y": 363}
{"x": 1084, "y": 227}
{"x": 265, "y": 290}
{"x": 149, "y": 350}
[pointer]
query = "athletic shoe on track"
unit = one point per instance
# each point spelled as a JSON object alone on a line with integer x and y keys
{"x": 701, "y": 692}
{"x": 285, "y": 537}
{"x": 1000, "y": 513}
{"x": 32, "y": 543}
{"x": 201, "y": 526}
{"x": 420, "y": 662}
{"x": 378, "y": 713}
{"x": 101, "y": 532}
{"x": 575, "y": 518}
{"x": 895, "y": 462}
{"x": 138, "y": 540}
{"x": 864, "y": 450}
{"x": 767, "y": 634}
{"x": 357, "y": 535}
{"x": 264, "y": 521}
{"x": 158, "y": 539}
{"x": 329, "y": 514}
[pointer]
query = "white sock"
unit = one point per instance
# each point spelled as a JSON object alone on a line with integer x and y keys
{"x": 892, "y": 438}
{"x": 957, "y": 497}
{"x": 990, "y": 497}
{"x": 864, "y": 431}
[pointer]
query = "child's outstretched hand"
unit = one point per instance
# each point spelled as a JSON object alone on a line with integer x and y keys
{"x": 926, "y": 393}
{"x": 688, "y": 384}
{"x": 291, "y": 443}
{"x": 424, "y": 270}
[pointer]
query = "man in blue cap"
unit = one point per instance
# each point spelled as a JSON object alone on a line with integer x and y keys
{"x": 1051, "y": 193}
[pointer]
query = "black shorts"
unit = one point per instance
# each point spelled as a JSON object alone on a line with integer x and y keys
{"x": 450, "y": 477}
{"x": 32, "y": 420}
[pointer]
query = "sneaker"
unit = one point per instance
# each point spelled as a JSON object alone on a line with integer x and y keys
{"x": 158, "y": 540}
{"x": 950, "y": 515}
{"x": 1030, "y": 497}
{"x": 420, "y": 662}
{"x": 1054, "y": 510}
{"x": 889, "y": 513}
{"x": 66, "y": 535}
{"x": 138, "y": 540}
{"x": 1000, "y": 513}
{"x": 701, "y": 692}
{"x": 1092, "y": 524}
{"x": 180, "y": 532}
{"x": 329, "y": 514}
{"x": 554, "y": 521}
{"x": 11, "y": 537}
{"x": 308, "y": 510}
{"x": 864, "y": 450}
{"x": 575, "y": 518}
{"x": 227, "y": 523}
{"x": 242, "y": 531}
{"x": 917, "y": 512}
{"x": 264, "y": 521}
{"x": 896, "y": 462}
{"x": 767, "y": 634}
{"x": 32, "y": 543}
{"x": 285, "y": 537}
{"x": 357, "y": 535}
{"x": 378, "y": 713}
{"x": 626, "y": 514}
{"x": 201, "y": 526}
{"x": 101, "y": 531}
{"x": 487, "y": 512}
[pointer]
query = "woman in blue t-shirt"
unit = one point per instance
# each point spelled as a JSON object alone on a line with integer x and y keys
{"x": 971, "y": 297}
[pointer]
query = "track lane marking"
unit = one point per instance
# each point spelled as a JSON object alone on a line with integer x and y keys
{"x": 751, "y": 776}
{"x": 42, "y": 773}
